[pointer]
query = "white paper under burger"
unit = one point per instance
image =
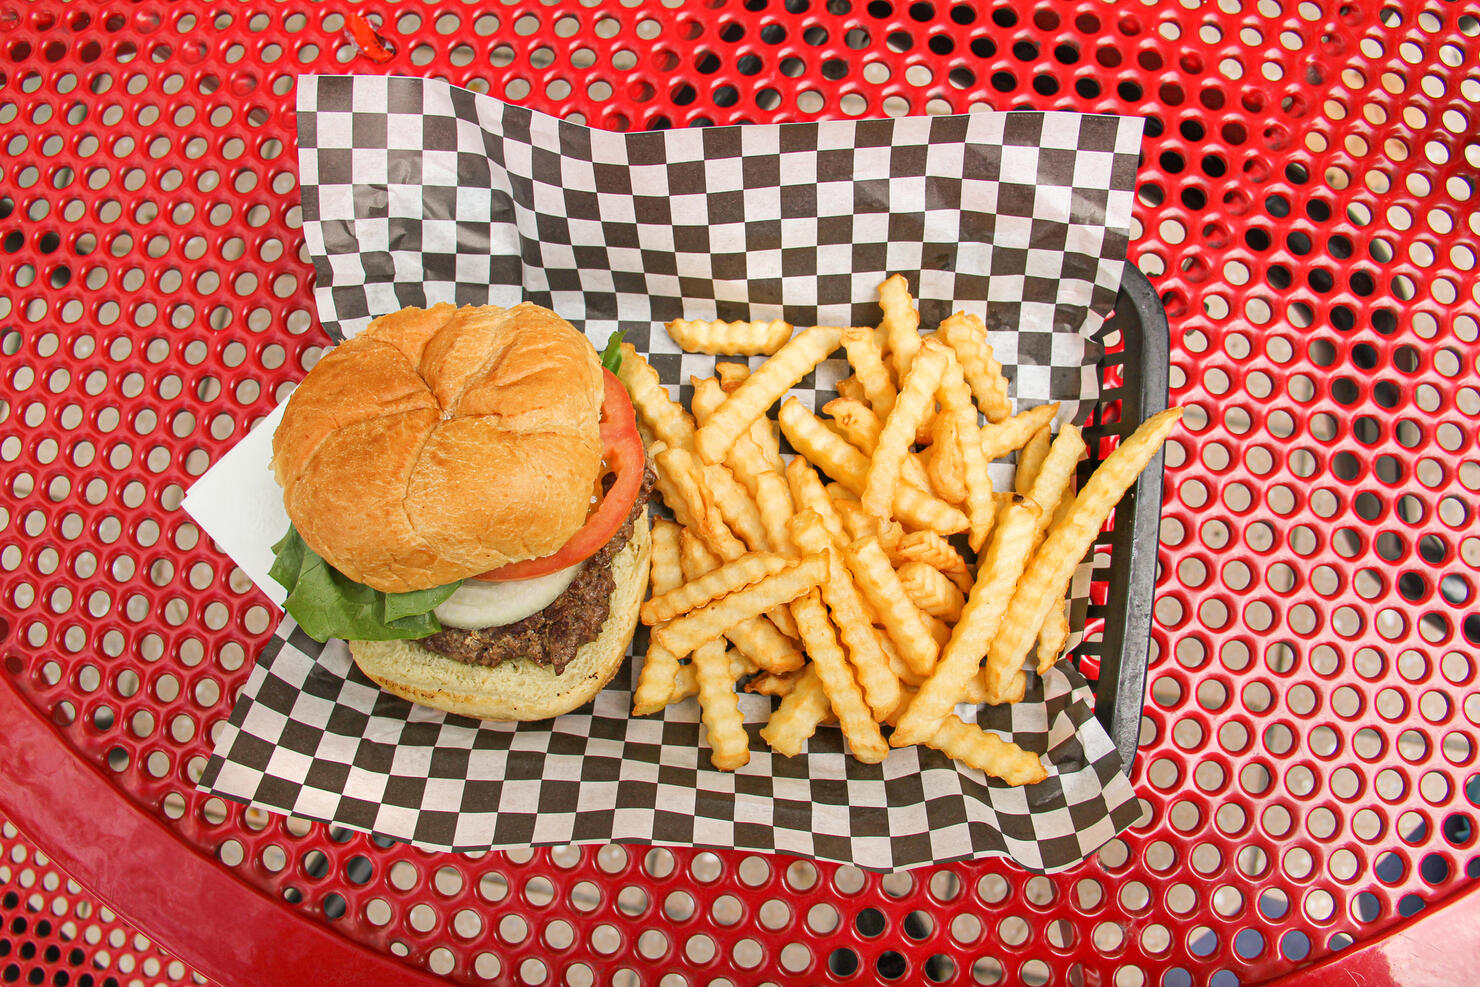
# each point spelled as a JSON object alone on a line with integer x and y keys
{"x": 416, "y": 192}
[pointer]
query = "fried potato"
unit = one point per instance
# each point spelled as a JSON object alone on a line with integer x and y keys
{"x": 930, "y": 590}
{"x": 808, "y": 494}
{"x": 735, "y": 574}
{"x": 850, "y": 387}
{"x": 1056, "y": 474}
{"x": 756, "y": 638}
{"x": 736, "y": 507}
{"x": 683, "y": 634}
{"x": 657, "y": 682}
{"x": 1006, "y": 556}
{"x": 729, "y": 747}
{"x": 955, "y": 402}
{"x": 798, "y": 716}
{"x": 729, "y": 338}
{"x": 944, "y": 468}
{"x": 1047, "y": 578}
{"x": 686, "y": 684}
{"x": 662, "y": 416}
{"x": 1052, "y": 637}
{"x": 871, "y": 374}
{"x": 762, "y": 389}
{"x": 933, "y": 550}
{"x": 901, "y": 324}
{"x": 843, "y": 693}
{"x": 682, "y": 486}
{"x": 773, "y": 500}
{"x": 987, "y": 752}
{"x": 1030, "y": 461}
{"x": 731, "y": 375}
{"x": 844, "y": 463}
{"x": 853, "y": 620}
{"x": 917, "y": 392}
{"x": 1011, "y": 434}
{"x": 902, "y": 620}
{"x": 968, "y": 338}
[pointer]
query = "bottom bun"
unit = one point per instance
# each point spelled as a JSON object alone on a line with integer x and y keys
{"x": 520, "y": 689}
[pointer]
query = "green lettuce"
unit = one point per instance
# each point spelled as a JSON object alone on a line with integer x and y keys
{"x": 327, "y": 603}
{"x": 611, "y": 357}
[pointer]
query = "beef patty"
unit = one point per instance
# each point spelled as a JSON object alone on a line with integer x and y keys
{"x": 553, "y": 635}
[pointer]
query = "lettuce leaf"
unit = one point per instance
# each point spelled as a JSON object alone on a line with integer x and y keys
{"x": 327, "y": 603}
{"x": 611, "y": 357}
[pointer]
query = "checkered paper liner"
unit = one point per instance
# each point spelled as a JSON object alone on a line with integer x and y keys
{"x": 416, "y": 192}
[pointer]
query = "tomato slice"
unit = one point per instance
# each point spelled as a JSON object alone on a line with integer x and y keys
{"x": 621, "y": 449}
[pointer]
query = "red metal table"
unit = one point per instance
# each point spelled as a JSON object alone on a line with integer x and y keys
{"x": 1306, "y": 209}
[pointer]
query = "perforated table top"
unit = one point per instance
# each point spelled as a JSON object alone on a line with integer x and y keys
{"x": 1306, "y": 209}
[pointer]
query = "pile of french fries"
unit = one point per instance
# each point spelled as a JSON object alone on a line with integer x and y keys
{"x": 830, "y": 581}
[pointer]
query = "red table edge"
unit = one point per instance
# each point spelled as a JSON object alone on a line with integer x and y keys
{"x": 190, "y": 906}
{"x": 1439, "y": 945}
{"x": 135, "y": 865}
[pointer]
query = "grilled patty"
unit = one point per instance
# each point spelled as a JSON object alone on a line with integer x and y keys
{"x": 554, "y": 635}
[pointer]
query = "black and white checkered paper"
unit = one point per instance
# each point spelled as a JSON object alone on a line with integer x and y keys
{"x": 416, "y": 192}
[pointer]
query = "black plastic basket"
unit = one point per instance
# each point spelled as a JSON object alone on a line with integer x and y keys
{"x": 1140, "y": 320}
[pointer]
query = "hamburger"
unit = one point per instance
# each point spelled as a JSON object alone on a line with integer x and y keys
{"x": 468, "y": 496}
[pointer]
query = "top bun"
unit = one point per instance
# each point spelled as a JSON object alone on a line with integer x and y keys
{"x": 443, "y": 442}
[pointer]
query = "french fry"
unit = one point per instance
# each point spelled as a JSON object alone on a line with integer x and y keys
{"x": 1030, "y": 461}
{"x": 773, "y": 499}
{"x": 932, "y": 549}
{"x": 1055, "y": 475}
{"x": 902, "y": 620}
{"x": 731, "y": 375}
{"x": 1052, "y": 637}
{"x": 771, "y": 684}
{"x": 756, "y": 638}
{"x": 988, "y": 753}
{"x": 1011, "y": 434}
{"x": 708, "y": 395}
{"x": 850, "y": 387}
{"x": 798, "y": 716}
{"x": 682, "y": 487}
{"x": 1047, "y": 578}
{"x": 870, "y": 373}
{"x": 843, "y": 693}
{"x": 917, "y": 391}
{"x": 855, "y": 422}
{"x": 968, "y": 337}
{"x": 844, "y": 463}
{"x": 668, "y": 422}
{"x": 735, "y": 574}
{"x": 753, "y": 452}
{"x": 840, "y": 494}
{"x": 683, "y": 634}
{"x": 686, "y": 685}
{"x": 729, "y": 338}
{"x": 657, "y": 683}
{"x": 930, "y": 590}
{"x": 736, "y": 506}
{"x": 808, "y": 494}
{"x": 860, "y": 427}
{"x": 861, "y": 524}
{"x": 901, "y": 324}
{"x": 763, "y": 388}
{"x": 719, "y": 706}
{"x": 955, "y": 403}
{"x": 974, "y": 693}
{"x": 1006, "y": 556}
{"x": 870, "y": 664}
{"x": 944, "y": 468}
